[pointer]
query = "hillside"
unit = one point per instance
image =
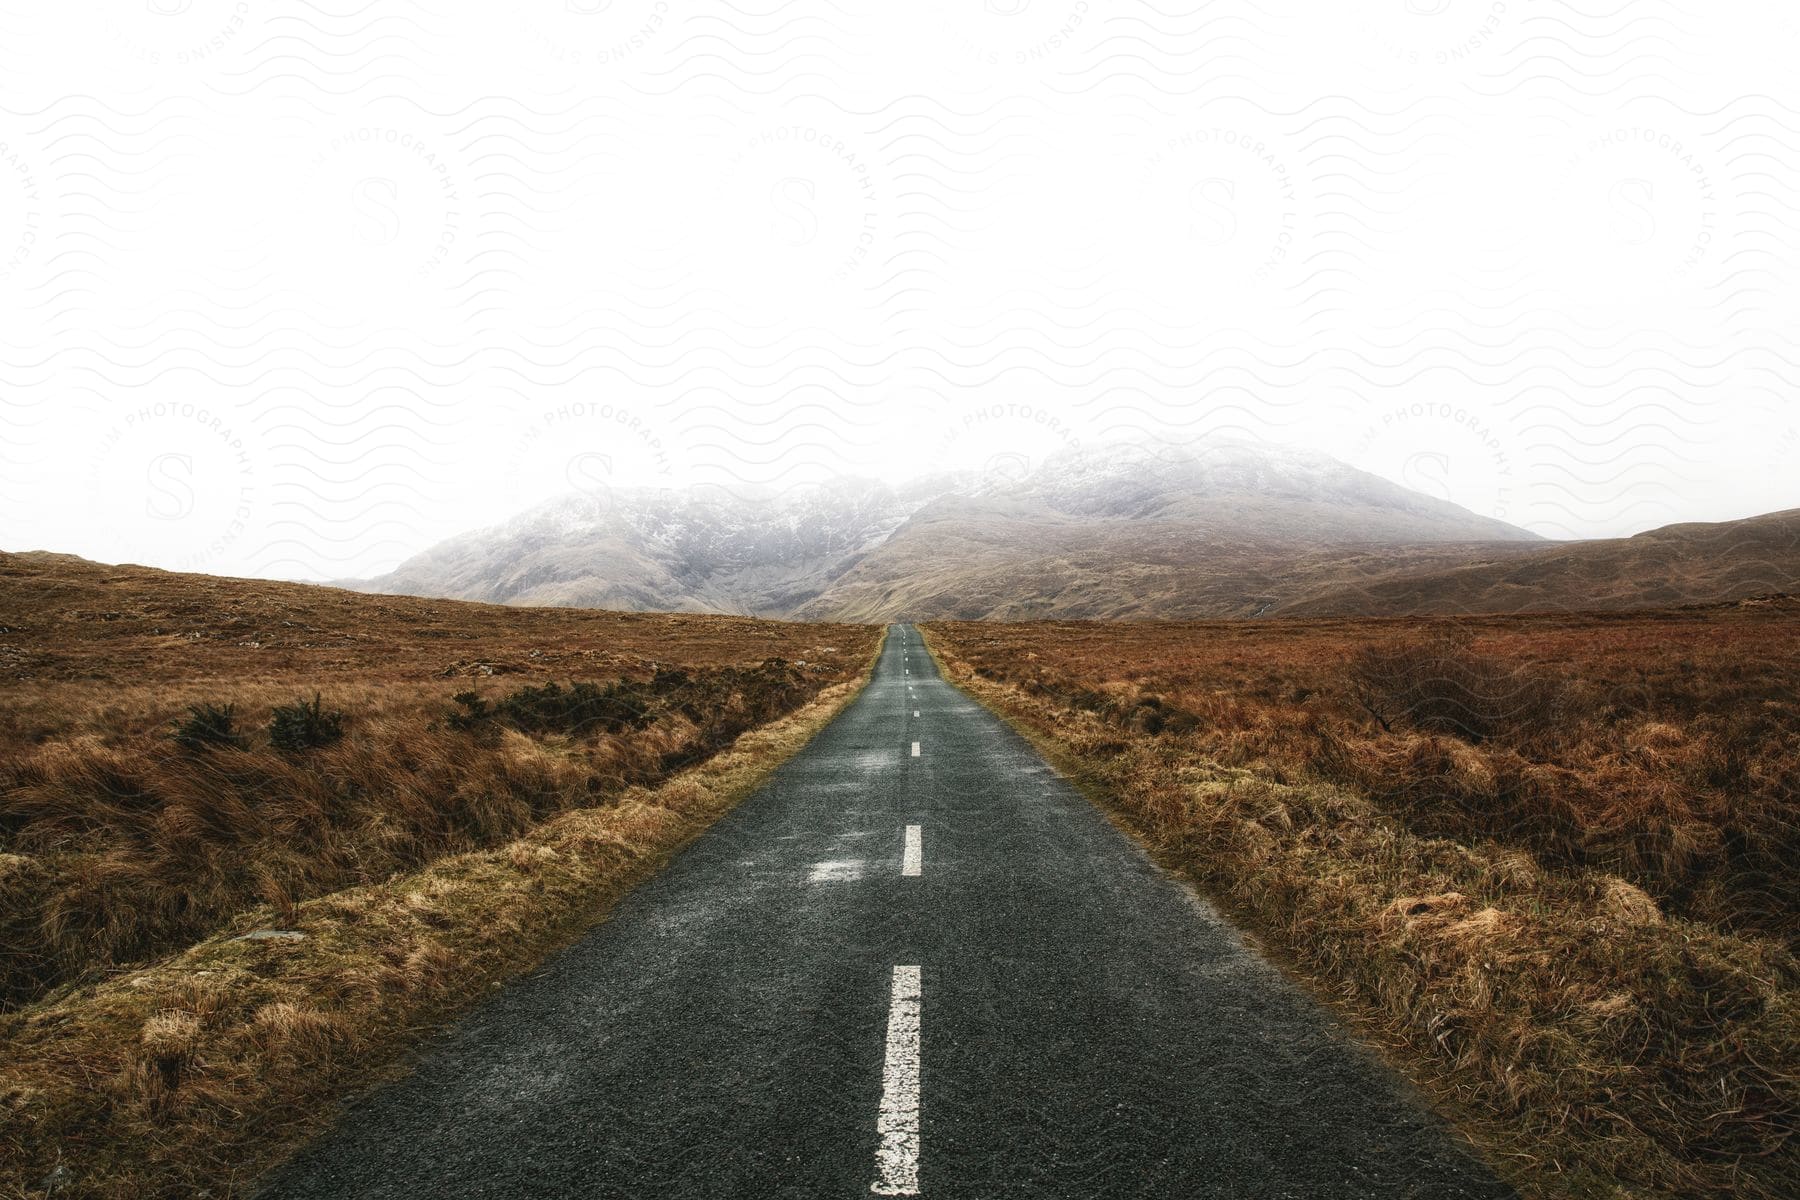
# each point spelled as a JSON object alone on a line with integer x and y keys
{"x": 67, "y": 621}
{"x": 1678, "y": 564}
{"x": 142, "y": 739}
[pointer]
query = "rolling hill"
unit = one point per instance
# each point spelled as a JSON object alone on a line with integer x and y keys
{"x": 1674, "y": 565}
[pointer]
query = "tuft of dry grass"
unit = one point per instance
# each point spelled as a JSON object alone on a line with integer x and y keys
{"x": 1567, "y": 918}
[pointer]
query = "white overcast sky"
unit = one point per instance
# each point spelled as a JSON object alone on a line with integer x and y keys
{"x": 297, "y": 289}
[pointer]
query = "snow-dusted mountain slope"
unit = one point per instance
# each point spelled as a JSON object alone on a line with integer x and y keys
{"x": 1083, "y": 524}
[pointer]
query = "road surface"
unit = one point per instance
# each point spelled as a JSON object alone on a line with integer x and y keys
{"x": 915, "y": 962}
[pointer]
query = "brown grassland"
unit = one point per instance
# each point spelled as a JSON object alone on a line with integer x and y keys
{"x": 1547, "y": 861}
{"x": 395, "y": 850}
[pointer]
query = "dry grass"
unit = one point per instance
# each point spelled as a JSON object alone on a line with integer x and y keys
{"x": 119, "y": 842}
{"x": 1555, "y": 883}
{"x": 390, "y": 874}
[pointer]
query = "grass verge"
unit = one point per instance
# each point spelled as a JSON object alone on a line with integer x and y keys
{"x": 191, "y": 1076}
{"x": 1588, "y": 1044}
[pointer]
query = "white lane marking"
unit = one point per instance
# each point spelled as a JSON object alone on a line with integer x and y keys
{"x": 915, "y": 712}
{"x": 897, "y": 1158}
{"x": 913, "y": 861}
{"x": 836, "y": 870}
{"x": 915, "y": 749}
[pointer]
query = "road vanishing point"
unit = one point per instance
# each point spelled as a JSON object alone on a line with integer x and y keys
{"x": 915, "y": 962}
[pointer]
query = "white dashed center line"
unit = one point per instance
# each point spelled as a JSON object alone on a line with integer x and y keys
{"x": 915, "y": 749}
{"x": 897, "y": 1158}
{"x": 913, "y": 861}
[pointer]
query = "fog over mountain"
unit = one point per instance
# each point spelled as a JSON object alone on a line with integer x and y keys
{"x": 1122, "y": 530}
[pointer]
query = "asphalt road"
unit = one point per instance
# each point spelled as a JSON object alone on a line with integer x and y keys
{"x": 811, "y": 1001}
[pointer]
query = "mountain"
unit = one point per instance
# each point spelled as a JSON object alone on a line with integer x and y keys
{"x": 1674, "y": 565}
{"x": 658, "y": 549}
{"x": 1126, "y": 532}
{"x": 1120, "y": 531}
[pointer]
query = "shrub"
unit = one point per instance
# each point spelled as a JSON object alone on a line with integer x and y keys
{"x": 721, "y": 703}
{"x": 580, "y": 708}
{"x": 1439, "y": 684}
{"x": 302, "y": 726}
{"x": 208, "y": 725}
{"x": 475, "y": 711}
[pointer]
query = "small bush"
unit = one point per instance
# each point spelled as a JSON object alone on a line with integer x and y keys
{"x": 302, "y": 726}
{"x": 720, "y": 703}
{"x": 208, "y": 725}
{"x": 475, "y": 711}
{"x": 580, "y": 708}
{"x": 1439, "y": 684}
